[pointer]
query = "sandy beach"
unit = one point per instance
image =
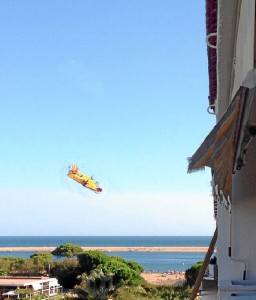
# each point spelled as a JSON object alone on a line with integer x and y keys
{"x": 109, "y": 249}
{"x": 168, "y": 278}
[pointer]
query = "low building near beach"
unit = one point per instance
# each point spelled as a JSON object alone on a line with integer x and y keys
{"x": 20, "y": 287}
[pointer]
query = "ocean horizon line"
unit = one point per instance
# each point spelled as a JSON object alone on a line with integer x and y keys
{"x": 105, "y": 235}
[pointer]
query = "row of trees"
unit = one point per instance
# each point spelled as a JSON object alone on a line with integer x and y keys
{"x": 37, "y": 264}
{"x": 93, "y": 274}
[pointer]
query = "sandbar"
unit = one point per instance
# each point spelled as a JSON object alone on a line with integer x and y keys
{"x": 109, "y": 249}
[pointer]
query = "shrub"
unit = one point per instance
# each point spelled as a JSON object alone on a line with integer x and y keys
{"x": 41, "y": 262}
{"x": 192, "y": 273}
{"x": 43, "y": 258}
{"x": 67, "y": 250}
{"x": 135, "y": 293}
{"x": 66, "y": 271}
{"x": 95, "y": 286}
{"x": 131, "y": 264}
{"x": 10, "y": 265}
{"x": 89, "y": 260}
{"x": 123, "y": 272}
{"x": 173, "y": 293}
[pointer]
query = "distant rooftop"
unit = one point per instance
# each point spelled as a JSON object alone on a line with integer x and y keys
{"x": 22, "y": 281}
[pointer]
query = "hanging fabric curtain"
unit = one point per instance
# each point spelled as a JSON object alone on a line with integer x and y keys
{"x": 224, "y": 148}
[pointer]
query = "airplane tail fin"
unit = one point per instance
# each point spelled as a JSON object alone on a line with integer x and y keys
{"x": 73, "y": 167}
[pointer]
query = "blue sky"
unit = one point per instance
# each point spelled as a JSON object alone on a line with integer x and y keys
{"x": 120, "y": 88}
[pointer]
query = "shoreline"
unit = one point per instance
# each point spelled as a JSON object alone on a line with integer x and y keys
{"x": 109, "y": 249}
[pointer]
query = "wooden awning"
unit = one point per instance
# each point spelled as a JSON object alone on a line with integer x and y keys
{"x": 224, "y": 148}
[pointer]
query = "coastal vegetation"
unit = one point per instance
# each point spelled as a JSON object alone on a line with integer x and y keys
{"x": 192, "y": 273}
{"x": 93, "y": 275}
{"x": 67, "y": 250}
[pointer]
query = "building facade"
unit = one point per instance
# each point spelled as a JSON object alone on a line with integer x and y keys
{"x": 229, "y": 150}
{"x": 20, "y": 287}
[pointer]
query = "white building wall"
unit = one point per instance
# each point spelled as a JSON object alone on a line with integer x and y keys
{"x": 235, "y": 59}
{"x": 227, "y": 16}
{"x": 244, "y": 44}
{"x": 226, "y": 266}
{"x": 235, "y": 48}
{"x": 244, "y": 213}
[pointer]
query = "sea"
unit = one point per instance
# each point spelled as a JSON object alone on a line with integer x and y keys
{"x": 150, "y": 261}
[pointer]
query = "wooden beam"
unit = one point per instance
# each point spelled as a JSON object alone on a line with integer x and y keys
{"x": 204, "y": 266}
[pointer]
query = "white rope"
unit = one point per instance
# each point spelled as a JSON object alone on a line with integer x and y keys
{"x": 207, "y": 40}
{"x": 212, "y": 108}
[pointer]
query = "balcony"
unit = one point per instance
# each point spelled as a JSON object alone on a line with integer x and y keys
{"x": 209, "y": 286}
{"x": 237, "y": 289}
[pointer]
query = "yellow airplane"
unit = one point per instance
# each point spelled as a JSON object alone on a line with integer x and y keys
{"x": 85, "y": 180}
